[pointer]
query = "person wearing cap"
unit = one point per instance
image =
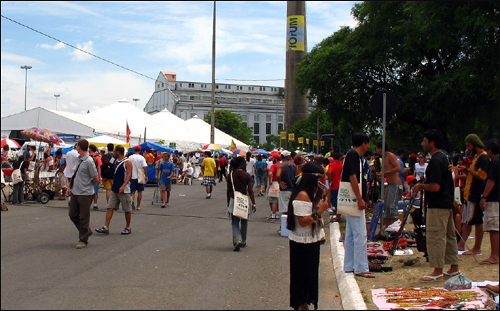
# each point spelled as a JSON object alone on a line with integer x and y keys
{"x": 138, "y": 163}
{"x": 476, "y": 175}
{"x": 305, "y": 211}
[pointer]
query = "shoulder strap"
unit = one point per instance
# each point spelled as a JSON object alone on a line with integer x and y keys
{"x": 124, "y": 160}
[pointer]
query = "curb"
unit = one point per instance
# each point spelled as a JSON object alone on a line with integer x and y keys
{"x": 350, "y": 293}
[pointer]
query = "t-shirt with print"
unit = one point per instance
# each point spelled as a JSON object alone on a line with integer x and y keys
{"x": 474, "y": 186}
{"x": 439, "y": 171}
{"x": 166, "y": 169}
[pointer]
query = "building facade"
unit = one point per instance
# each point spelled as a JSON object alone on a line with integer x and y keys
{"x": 262, "y": 108}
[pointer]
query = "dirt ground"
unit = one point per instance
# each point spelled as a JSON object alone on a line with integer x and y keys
{"x": 408, "y": 276}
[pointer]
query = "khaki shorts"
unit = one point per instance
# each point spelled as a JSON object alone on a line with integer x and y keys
{"x": 63, "y": 180}
{"x": 125, "y": 199}
{"x": 491, "y": 217}
{"x": 107, "y": 183}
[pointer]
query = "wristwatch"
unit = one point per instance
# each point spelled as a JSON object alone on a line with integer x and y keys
{"x": 483, "y": 197}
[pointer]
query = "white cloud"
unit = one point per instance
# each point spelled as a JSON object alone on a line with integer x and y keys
{"x": 80, "y": 56}
{"x": 19, "y": 59}
{"x": 57, "y": 46}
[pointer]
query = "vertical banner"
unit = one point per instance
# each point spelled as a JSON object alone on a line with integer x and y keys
{"x": 307, "y": 141}
{"x": 283, "y": 135}
{"x": 315, "y": 142}
{"x": 322, "y": 143}
{"x": 295, "y": 33}
{"x": 291, "y": 137}
{"x": 301, "y": 140}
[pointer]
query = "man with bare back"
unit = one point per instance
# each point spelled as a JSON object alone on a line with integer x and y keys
{"x": 394, "y": 185}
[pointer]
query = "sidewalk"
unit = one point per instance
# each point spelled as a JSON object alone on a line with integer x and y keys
{"x": 348, "y": 287}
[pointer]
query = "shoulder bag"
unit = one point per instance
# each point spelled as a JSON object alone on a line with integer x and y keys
{"x": 16, "y": 176}
{"x": 141, "y": 177}
{"x": 347, "y": 202}
{"x": 274, "y": 190}
{"x": 241, "y": 202}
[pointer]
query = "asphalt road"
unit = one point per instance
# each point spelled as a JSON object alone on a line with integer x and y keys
{"x": 179, "y": 257}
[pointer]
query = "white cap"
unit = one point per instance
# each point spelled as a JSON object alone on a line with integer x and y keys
{"x": 285, "y": 153}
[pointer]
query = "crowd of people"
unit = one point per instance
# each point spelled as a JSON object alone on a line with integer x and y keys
{"x": 460, "y": 191}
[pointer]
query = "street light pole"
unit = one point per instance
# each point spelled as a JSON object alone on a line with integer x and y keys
{"x": 25, "y": 67}
{"x": 56, "y": 96}
{"x": 136, "y": 100}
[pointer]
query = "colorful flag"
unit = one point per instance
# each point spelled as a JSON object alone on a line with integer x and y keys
{"x": 233, "y": 145}
{"x": 128, "y": 133}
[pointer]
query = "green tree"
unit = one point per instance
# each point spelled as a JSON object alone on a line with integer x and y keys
{"x": 232, "y": 124}
{"x": 440, "y": 59}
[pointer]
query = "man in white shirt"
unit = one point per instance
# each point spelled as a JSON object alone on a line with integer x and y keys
{"x": 250, "y": 166}
{"x": 138, "y": 162}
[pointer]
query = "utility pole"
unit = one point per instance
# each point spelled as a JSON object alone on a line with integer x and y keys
{"x": 212, "y": 110}
{"x": 296, "y": 108}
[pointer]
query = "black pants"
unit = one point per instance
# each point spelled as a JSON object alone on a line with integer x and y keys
{"x": 304, "y": 274}
{"x": 79, "y": 213}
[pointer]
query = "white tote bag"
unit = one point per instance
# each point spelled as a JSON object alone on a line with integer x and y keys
{"x": 16, "y": 176}
{"x": 141, "y": 177}
{"x": 241, "y": 203}
{"x": 274, "y": 190}
{"x": 347, "y": 203}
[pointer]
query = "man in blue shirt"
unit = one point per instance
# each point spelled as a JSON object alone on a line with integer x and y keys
{"x": 167, "y": 170}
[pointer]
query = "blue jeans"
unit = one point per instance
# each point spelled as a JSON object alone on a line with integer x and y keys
{"x": 239, "y": 234}
{"x": 261, "y": 179}
{"x": 356, "y": 255}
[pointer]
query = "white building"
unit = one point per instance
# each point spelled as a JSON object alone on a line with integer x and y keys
{"x": 262, "y": 107}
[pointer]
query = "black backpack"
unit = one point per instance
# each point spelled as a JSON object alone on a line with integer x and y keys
{"x": 108, "y": 166}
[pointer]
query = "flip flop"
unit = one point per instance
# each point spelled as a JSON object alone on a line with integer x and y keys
{"x": 365, "y": 274}
{"x": 432, "y": 278}
{"x": 487, "y": 262}
{"x": 470, "y": 253}
{"x": 451, "y": 274}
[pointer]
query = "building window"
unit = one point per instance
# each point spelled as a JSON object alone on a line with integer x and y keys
{"x": 244, "y": 117}
{"x": 180, "y": 84}
{"x": 250, "y": 88}
{"x": 158, "y": 85}
{"x": 280, "y": 118}
{"x": 256, "y": 138}
{"x": 191, "y": 85}
{"x": 268, "y": 118}
{"x": 262, "y": 88}
{"x": 227, "y": 87}
{"x": 256, "y": 117}
{"x": 217, "y": 86}
{"x": 256, "y": 128}
{"x": 268, "y": 128}
{"x": 280, "y": 127}
{"x": 163, "y": 85}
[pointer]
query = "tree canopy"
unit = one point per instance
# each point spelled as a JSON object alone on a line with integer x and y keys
{"x": 440, "y": 60}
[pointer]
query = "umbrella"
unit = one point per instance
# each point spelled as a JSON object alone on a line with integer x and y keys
{"x": 41, "y": 134}
{"x": 238, "y": 153}
{"x": 211, "y": 147}
{"x": 12, "y": 143}
{"x": 261, "y": 151}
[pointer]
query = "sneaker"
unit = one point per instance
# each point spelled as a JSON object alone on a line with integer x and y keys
{"x": 238, "y": 246}
{"x": 133, "y": 206}
{"x": 163, "y": 206}
{"x": 126, "y": 231}
{"x": 271, "y": 217}
{"x": 96, "y": 208}
{"x": 81, "y": 245}
{"x": 104, "y": 230}
{"x": 208, "y": 196}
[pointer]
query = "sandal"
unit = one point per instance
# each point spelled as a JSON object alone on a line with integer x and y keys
{"x": 365, "y": 274}
{"x": 430, "y": 278}
{"x": 451, "y": 274}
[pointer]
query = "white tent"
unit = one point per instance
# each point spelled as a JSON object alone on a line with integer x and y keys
{"x": 220, "y": 138}
{"x": 45, "y": 118}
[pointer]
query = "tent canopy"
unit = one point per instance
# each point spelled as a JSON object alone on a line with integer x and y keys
{"x": 156, "y": 146}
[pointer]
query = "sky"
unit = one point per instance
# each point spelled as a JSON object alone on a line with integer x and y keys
{"x": 145, "y": 37}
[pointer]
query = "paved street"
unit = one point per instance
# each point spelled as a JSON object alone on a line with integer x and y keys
{"x": 179, "y": 257}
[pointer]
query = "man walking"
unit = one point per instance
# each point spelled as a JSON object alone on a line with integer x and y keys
{"x": 439, "y": 193}
{"x": 476, "y": 175}
{"x": 166, "y": 171}
{"x": 394, "y": 187}
{"x": 285, "y": 174}
{"x": 209, "y": 171}
{"x": 223, "y": 166}
{"x": 356, "y": 255}
{"x": 120, "y": 191}
{"x": 81, "y": 190}
{"x": 138, "y": 162}
{"x": 489, "y": 201}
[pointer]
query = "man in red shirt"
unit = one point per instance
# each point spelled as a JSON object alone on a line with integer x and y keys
{"x": 334, "y": 170}
{"x": 222, "y": 165}
{"x": 273, "y": 202}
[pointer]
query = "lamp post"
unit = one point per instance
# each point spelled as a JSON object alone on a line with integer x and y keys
{"x": 25, "y": 67}
{"x": 56, "y": 96}
{"x": 136, "y": 100}
{"x": 212, "y": 110}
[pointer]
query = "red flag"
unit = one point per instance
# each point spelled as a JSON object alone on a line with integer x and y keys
{"x": 128, "y": 133}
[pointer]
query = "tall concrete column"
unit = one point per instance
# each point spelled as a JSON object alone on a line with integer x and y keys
{"x": 296, "y": 48}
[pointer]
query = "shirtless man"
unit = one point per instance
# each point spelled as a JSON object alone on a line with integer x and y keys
{"x": 394, "y": 187}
